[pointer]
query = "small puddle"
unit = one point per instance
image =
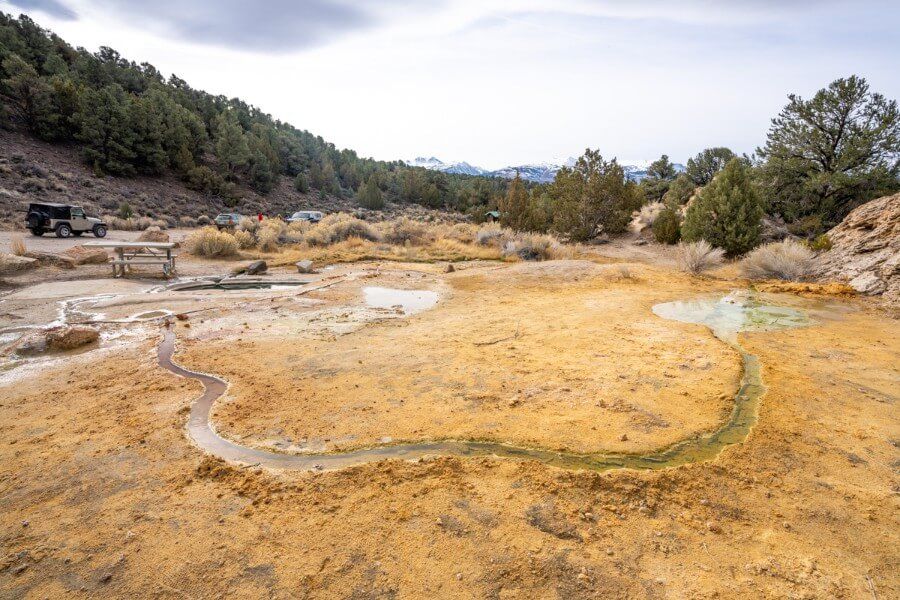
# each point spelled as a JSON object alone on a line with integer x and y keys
{"x": 731, "y": 314}
{"x": 408, "y": 301}
{"x": 725, "y": 316}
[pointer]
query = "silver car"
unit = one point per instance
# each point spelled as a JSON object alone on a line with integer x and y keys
{"x": 311, "y": 216}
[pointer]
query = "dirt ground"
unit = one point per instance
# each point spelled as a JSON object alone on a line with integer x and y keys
{"x": 102, "y": 494}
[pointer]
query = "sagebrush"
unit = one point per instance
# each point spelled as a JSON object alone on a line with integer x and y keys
{"x": 787, "y": 260}
{"x": 697, "y": 257}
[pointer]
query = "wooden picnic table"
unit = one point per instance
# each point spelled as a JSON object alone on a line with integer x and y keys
{"x": 130, "y": 254}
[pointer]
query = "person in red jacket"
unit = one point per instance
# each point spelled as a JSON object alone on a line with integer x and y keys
{"x": 259, "y": 216}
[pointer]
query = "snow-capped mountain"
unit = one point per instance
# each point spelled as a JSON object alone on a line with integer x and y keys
{"x": 435, "y": 164}
{"x": 539, "y": 173}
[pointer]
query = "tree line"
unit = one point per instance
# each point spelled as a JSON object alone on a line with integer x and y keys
{"x": 822, "y": 158}
{"x": 128, "y": 119}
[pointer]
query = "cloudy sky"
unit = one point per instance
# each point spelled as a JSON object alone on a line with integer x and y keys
{"x": 497, "y": 82}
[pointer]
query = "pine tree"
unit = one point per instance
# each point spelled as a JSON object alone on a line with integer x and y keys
{"x": 514, "y": 205}
{"x": 31, "y": 96}
{"x": 369, "y": 195}
{"x": 727, "y": 213}
{"x": 231, "y": 146}
{"x": 104, "y": 126}
{"x": 301, "y": 183}
{"x": 149, "y": 132}
{"x": 829, "y": 154}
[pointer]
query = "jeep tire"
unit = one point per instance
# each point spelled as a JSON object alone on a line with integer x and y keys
{"x": 37, "y": 231}
{"x": 63, "y": 230}
{"x": 99, "y": 231}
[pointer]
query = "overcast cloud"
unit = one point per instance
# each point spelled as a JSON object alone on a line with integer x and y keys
{"x": 497, "y": 82}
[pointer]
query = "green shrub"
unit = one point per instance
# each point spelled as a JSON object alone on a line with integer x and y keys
{"x": 125, "y": 211}
{"x": 821, "y": 244}
{"x": 666, "y": 227}
{"x": 727, "y": 213}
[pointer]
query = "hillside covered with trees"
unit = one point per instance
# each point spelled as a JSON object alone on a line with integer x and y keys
{"x": 126, "y": 120}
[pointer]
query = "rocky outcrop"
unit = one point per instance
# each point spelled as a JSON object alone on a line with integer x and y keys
{"x": 865, "y": 249}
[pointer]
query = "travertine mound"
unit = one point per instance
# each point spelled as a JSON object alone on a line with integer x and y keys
{"x": 866, "y": 249}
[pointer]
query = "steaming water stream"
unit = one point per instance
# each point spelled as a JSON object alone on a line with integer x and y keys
{"x": 725, "y": 316}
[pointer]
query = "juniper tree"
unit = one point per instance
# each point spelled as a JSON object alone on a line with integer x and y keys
{"x": 703, "y": 167}
{"x": 592, "y": 197}
{"x": 727, "y": 213}
{"x": 660, "y": 174}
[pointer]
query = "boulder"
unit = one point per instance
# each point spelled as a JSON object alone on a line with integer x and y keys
{"x": 83, "y": 255}
{"x": 153, "y": 234}
{"x": 54, "y": 260}
{"x": 865, "y": 249}
{"x": 304, "y": 266}
{"x": 71, "y": 337}
{"x": 254, "y": 268}
{"x": 10, "y": 263}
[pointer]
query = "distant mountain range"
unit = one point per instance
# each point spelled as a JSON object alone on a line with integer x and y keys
{"x": 540, "y": 173}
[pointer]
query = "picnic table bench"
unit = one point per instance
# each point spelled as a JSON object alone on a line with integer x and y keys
{"x": 128, "y": 254}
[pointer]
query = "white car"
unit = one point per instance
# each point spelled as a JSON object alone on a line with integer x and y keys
{"x": 312, "y": 216}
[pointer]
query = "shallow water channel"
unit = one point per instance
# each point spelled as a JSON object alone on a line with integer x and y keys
{"x": 725, "y": 316}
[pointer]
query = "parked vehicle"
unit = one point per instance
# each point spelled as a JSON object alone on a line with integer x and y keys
{"x": 63, "y": 219}
{"x": 227, "y": 220}
{"x": 312, "y": 216}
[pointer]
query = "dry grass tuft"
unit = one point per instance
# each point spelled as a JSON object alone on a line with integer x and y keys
{"x": 491, "y": 235}
{"x": 133, "y": 223}
{"x": 211, "y": 243}
{"x": 531, "y": 246}
{"x": 18, "y": 246}
{"x": 405, "y": 231}
{"x": 787, "y": 260}
{"x": 697, "y": 257}
{"x": 249, "y": 224}
{"x": 339, "y": 227}
{"x": 244, "y": 239}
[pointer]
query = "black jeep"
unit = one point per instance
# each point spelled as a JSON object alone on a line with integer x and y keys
{"x": 63, "y": 219}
